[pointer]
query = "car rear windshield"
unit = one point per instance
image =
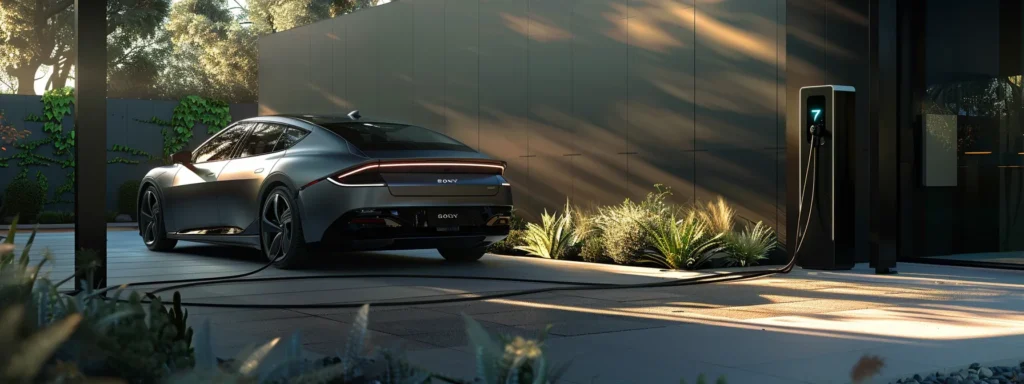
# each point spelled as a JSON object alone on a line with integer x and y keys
{"x": 390, "y": 137}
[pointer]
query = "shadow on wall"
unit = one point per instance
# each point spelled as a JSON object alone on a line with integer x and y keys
{"x": 594, "y": 100}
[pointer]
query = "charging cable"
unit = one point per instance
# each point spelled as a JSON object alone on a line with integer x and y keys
{"x": 561, "y": 285}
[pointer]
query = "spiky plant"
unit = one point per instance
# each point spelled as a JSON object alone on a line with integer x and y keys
{"x": 555, "y": 237}
{"x": 351, "y": 366}
{"x": 682, "y": 244}
{"x": 750, "y": 246}
{"x": 510, "y": 359}
{"x": 719, "y": 216}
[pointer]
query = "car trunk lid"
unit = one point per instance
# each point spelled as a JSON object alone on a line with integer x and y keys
{"x": 442, "y": 176}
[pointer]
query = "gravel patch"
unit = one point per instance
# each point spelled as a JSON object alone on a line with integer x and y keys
{"x": 974, "y": 374}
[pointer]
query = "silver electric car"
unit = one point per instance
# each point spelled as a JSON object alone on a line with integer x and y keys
{"x": 295, "y": 185}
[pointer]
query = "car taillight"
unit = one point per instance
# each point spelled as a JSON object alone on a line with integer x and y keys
{"x": 366, "y": 176}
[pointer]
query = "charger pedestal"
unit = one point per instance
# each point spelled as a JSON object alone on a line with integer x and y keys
{"x": 827, "y": 123}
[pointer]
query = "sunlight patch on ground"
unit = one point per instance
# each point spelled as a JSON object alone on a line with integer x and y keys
{"x": 900, "y": 322}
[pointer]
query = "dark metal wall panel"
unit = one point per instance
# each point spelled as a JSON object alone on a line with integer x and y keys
{"x": 339, "y": 62}
{"x": 284, "y": 80}
{"x": 600, "y": 100}
{"x": 828, "y": 43}
{"x": 321, "y": 69}
{"x": 744, "y": 177}
{"x": 736, "y": 74}
{"x": 552, "y": 134}
{"x": 462, "y": 67}
{"x": 503, "y": 86}
{"x": 660, "y": 98}
{"x": 429, "y": 63}
{"x": 395, "y": 68}
{"x": 592, "y": 100}
{"x": 805, "y": 63}
{"x": 362, "y": 46}
{"x": 736, "y": 101}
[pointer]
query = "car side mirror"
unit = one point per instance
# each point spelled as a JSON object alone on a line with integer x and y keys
{"x": 182, "y": 157}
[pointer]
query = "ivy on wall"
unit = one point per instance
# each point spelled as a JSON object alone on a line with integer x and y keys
{"x": 191, "y": 110}
{"x": 57, "y": 105}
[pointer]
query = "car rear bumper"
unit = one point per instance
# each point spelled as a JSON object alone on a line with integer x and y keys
{"x": 328, "y": 211}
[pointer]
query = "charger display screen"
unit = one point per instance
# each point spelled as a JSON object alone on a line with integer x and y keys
{"x": 815, "y": 115}
{"x": 816, "y": 110}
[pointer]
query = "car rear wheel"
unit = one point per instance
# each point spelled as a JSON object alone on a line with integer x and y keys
{"x": 151, "y": 223}
{"x": 462, "y": 254}
{"x": 281, "y": 235}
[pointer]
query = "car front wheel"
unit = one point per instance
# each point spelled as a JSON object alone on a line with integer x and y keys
{"x": 281, "y": 235}
{"x": 151, "y": 222}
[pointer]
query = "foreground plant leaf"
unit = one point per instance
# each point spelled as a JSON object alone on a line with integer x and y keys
{"x": 867, "y": 367}
{"x": 38, "y": 348}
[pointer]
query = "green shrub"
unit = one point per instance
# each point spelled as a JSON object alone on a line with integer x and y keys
{"x": 625, "y": 239}
{"x": 556, "y": 237}
{"x": 56, "y": 217}
{"x": 24, "y": 198}
{"x": 508, "y": 245}
{"x": 682, "y": 244}
{"x": 128, "y": 198}
{"x": 593, "y": 249}
{"x": 750, "y": 246}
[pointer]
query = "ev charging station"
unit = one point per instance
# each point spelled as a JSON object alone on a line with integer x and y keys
{"x": 825, "y": 230}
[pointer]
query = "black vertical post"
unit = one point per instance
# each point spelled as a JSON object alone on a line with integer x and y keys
{"x": 91, "y": 138}
{"x": 884, "y": 112}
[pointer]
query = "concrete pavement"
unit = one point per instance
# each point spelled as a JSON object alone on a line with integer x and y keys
{"x": 805, "y": 327}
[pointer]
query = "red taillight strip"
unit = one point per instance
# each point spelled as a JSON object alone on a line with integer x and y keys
{"x": 357, "y": 171}
{"x": 331, "y": 179}
{"x": 501, "y": 167}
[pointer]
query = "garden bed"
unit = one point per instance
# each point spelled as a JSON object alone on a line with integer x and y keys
{"x": 651, "y": 233}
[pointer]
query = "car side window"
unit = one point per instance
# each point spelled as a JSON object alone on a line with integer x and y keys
{"x": 290, "y": 137}
{"x": 221, "y": 145}
{"x": 262, "y": 140}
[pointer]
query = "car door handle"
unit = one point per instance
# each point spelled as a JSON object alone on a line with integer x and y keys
{"x": 258, "y": 170}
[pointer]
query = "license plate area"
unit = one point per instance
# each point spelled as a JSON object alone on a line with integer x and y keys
{"x": 450, "y": 219}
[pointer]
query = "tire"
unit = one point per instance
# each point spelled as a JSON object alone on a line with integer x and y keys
{"x": 151, "y": 222}
{"x": 281, "y": 235}
{"x": 462, "y": 255}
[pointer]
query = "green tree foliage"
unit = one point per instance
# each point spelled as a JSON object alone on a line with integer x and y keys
{"x": 214, "y": 50}
{"x": 36, "y": 33}
{"x": 213, "y": 55}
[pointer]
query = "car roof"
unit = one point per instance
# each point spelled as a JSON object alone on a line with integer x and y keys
{"x": 329, "y": 119}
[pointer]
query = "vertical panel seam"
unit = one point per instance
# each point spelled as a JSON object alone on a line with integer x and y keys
{"x": 628, "y": 187}
{"x": 694, "y": 85}
{"x": 444, "y": 63}
{"x": 572, "y": 95}
{"x": 777, "y": 111}
{"x": 529, "y": 81}
{"x": 478, "y": 50}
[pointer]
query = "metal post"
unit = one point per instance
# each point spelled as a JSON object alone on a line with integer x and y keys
{"x": 91, "y": 138}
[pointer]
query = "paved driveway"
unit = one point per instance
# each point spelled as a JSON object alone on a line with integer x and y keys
{"x": 805, "y": 327}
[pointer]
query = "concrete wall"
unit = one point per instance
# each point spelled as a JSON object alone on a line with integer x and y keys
{"x": 122, "y": 128}
{"x": 594, "y": 100}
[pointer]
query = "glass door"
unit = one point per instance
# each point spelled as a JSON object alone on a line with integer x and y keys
{"x": 970, "y": 199}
